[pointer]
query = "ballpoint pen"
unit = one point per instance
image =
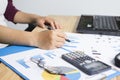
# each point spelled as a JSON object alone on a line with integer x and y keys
{"x": 67, "y": 40}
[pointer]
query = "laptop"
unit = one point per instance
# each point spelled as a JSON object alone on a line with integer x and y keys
{"x": 99, "y": 24}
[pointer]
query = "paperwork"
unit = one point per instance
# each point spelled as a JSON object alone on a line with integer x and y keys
{"x": 106, "y": 46}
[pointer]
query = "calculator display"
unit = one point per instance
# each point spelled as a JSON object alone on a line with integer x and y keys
{"x": 95, "y": 66}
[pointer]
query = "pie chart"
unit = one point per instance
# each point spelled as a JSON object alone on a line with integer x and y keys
{"x": 70, "y": 74}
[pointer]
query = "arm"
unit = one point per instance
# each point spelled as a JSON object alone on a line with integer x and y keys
{"x": 14, "y": 15}
{"x": 22, "y": 17}
{"x": 12, "y": 36}
{"x": 48, "y": 39}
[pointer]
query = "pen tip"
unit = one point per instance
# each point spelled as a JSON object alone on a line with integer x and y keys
{"x": 67, "y": 40}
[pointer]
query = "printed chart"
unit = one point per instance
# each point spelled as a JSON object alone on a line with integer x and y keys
{"x": 70, "y": 74}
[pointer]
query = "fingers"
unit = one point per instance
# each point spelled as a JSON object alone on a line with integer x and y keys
{"x": 60, "y": 39}
{"x": 60, "y": 33}
{"x": 60, "y": 42}
{"x": 52, "y": 23}
{"x": 42, "y": 21}
{"x": 56, "y": 40}
{"x": 50, "y": 39}
{"x": 55, "y": 25}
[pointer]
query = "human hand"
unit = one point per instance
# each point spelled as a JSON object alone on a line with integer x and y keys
{"x": 42, "y": 21}
{"x": 49, "y": 39}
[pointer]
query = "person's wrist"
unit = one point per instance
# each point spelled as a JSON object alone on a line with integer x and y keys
{"x": 33, "y": 39}
{"x": 39, "y": 18}
{"x": 34, "y": 19}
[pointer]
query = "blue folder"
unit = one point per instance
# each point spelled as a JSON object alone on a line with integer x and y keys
{"x": 11, "y": 50}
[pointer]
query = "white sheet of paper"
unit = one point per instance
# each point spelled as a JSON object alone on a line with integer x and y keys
{"x": 107, "y": 46}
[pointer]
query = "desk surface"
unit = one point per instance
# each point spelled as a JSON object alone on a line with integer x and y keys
{"x": 69, "y": 24}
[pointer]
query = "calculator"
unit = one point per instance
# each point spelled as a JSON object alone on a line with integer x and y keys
{"x": 85, "y": 63}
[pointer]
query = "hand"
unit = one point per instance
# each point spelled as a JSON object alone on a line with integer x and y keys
{"x": 41, "y": 21}
{"x": 49, "y": 39}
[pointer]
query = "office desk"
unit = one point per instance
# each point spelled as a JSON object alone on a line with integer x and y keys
{"x": 69, "y": 24}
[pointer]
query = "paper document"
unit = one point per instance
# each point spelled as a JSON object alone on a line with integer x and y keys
{"x": 88, "y": 43}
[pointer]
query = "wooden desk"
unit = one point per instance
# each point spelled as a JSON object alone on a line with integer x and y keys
{"x": 69, "y": 24}
{"x": 7, "y": 74}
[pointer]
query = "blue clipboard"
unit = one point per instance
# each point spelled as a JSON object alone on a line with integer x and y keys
{"x": 12, "y": 50}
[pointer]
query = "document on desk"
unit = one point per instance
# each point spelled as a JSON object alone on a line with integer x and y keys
{"x": 21, "y": 62}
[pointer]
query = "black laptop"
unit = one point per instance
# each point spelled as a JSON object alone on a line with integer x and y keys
{"x": 99, "y": 24}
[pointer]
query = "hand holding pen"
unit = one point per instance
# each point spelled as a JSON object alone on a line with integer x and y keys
{"x": 49, "y": 39}
{"x": 51, "y": 28}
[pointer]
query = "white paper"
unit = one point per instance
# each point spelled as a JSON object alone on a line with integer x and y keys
{"x": 107, "y": 46}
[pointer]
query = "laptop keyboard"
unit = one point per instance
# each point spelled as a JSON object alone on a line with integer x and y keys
{"x": 105, "y": 23}
{"x": 99, "y": 24}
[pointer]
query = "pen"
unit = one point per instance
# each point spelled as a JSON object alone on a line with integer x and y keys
{"x": 50, "y": 28}
{"x": 67, "y": 40}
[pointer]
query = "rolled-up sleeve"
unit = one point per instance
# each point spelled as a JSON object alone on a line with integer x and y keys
{"x": 10, "y": 11}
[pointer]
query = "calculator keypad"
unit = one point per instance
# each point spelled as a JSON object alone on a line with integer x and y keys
{"x": 85, "y": 63}
{"x": 80, "y": 58}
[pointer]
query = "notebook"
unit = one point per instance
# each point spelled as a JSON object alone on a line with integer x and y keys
{"x": 99, "y": 24}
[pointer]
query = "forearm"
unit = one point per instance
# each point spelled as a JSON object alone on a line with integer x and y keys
{"x": 12, "y": 36}
{"x": 54, "y": 38}
{"x": 22, "y": 17}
